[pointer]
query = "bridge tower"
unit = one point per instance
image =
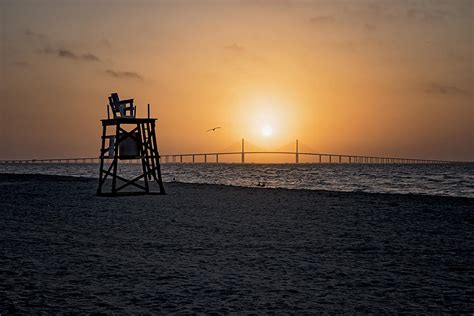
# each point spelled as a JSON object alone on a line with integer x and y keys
{"x": 243, "y": 151}
{"x": 297, "y": 157}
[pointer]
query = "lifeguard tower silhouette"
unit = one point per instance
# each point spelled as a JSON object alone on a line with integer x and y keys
{"x": 129, "y": 138}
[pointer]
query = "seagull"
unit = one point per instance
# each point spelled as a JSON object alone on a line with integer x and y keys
{"x": 213, "y": 129}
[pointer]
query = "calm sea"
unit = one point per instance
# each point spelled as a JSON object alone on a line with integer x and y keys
{"x": 447, "y": 180}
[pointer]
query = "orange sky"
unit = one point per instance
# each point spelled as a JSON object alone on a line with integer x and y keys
{"x": 357, "y": 77}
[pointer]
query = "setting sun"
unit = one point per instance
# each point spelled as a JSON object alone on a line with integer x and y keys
{"x": 267, "y": 130}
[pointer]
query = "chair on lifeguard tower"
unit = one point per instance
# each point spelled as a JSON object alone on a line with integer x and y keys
{"x": 122, "y": 108}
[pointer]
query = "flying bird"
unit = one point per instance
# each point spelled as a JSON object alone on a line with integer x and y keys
{"x": 213, "y": 129}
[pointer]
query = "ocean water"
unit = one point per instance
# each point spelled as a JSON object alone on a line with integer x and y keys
{"x": 443, "y": 180}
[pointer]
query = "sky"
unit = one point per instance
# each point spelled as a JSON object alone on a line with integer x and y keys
{"x": 361, "y": 77}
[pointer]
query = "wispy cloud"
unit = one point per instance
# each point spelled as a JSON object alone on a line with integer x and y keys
{"x": 59, "y": 52}
{"x": 105, "y": 42}
{"x": 438, "y": 88}
{"x": 32, "y": 34}
{"x": 236, "y": 48}
{"x": 90, "y": 57}
{"x": 236, "y": 52}
{"x": 322, "y": 19}
{"x": 21, "y": 63}
{"x": 124, "y": 74}
{"x": 66, "y": 53}
{"x": 427, "y": 15}
{"x": 370, "y": 27}
{"x": 241, "y": 61}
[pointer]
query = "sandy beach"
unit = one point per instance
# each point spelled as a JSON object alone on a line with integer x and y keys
{"x": 210, "y": 248}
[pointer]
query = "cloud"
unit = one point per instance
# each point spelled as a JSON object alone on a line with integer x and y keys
{"x": 236, "y": 48}
{"x": 435, "y": 15}
{"x": 105, "y": 42}
{"x": 285, "y": 3}
{"x": 90, "y": 57}
{"x": 322, "y": 19}
{"x": 376, "y": 7}
{"x": 427, "y": 15}
{"x": 437, "y": 88}
{"x": 22, "y": 64}
{"x": 124, "y": 74}
{"x": 35, "y": 35}
{"x": 59, "y": 52}
{"x": 238, "y": 53}
{"x": 412, "y": 13}
{"x": 66, "y": 53}
{"x": 241, "y": 61}
{"x": 370, "y": 27}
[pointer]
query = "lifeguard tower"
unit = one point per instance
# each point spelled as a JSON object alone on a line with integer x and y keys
{"x": 126, "y": 137}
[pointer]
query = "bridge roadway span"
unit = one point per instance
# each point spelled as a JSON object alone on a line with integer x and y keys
{"x": 213, "y": 157}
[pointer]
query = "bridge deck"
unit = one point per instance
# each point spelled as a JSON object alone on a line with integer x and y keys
{"x": 330, "y": 158}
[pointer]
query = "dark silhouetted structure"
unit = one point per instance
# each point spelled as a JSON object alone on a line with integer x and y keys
{"x": 128, "y": 138}
{"x": 121, "y": 108}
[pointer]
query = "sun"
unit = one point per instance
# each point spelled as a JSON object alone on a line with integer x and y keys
{"x": 267, "y": 130}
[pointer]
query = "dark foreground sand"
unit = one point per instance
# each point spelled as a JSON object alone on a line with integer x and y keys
{"x": 204, "y": 248}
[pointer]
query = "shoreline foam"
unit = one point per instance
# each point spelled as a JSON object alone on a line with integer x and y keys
{"x": 52, "y": 177}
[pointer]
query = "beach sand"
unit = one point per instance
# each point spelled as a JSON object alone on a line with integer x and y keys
{"x": 210, "y": 248}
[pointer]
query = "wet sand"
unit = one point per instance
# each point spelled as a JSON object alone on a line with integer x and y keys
{"x": 210, "y": 248}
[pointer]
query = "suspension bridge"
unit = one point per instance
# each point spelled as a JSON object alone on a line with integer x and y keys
{"x": 296, "y": 155}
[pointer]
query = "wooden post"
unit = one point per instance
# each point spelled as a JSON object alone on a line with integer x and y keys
{"x": 114, "y": 178}
{"x": 147, "y": 146}
{"x": 144, "y": 156}
{"x": 205, "y": 158}
{"x": 193, "y": 158}
{"x": 217, "y": 158}
{"x": 148, "y": 110}
{"x": 156, "y": 156}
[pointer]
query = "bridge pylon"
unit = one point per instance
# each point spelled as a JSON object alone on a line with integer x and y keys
{"x": 297, "y": 157}
{"x": 243, "y": 151}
